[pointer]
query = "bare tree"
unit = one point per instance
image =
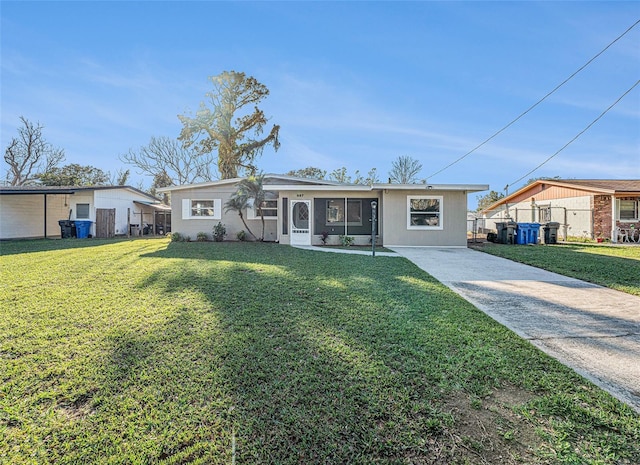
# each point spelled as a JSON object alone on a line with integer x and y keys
{"x": 213, "y": 126}
{"x": 29, "y": 155}
{"x": 404, "y": 170}
{"x": 166, "y": 158}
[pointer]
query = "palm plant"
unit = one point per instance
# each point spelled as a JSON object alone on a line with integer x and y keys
{"x": 251, "y": 188}
{"x": 239, "y": 202}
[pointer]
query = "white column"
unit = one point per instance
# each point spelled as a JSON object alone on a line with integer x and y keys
{"x": 614, "y": 236}
{"x": 345, "y": 217}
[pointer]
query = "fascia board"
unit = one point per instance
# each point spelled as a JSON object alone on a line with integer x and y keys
{"x": 434, "y": 187}
{"x": 294, "y": 187}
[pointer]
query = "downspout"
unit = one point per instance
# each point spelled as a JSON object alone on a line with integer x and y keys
{"x": 533, "y": 210}
{"x": 45, "y": 216}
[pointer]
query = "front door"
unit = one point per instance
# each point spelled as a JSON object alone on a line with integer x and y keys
{"x": 300, "y": 222}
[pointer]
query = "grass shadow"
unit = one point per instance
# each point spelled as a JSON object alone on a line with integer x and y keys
{"x": 15, "y": 247}
{"x": 326, "y": 355}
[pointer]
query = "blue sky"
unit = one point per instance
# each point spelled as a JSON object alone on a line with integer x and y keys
{"x": 353, "y": 84}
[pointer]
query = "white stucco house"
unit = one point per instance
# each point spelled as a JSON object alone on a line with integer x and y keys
{"x": 299, "y": 210}
{"x": 34, "y": 211}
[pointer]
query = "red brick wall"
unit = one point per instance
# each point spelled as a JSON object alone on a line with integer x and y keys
{"x": 601, "y": 205}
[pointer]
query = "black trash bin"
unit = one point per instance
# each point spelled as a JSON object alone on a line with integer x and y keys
{"x": 551, "y": 232}
{"x": 67, "y": 228}
{"x": 507, "y": 232}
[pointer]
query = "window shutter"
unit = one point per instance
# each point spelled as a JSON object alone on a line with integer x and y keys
{"x": 186, "y": 209}
{"x": 217, "y": 209}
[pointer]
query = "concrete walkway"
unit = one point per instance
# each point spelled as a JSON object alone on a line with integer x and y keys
{"x": 592, "y": 329}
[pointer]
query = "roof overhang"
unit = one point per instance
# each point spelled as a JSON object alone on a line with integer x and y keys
{"x": 267, "y": 184}
{"x": 317, "y": 187}
{"x": 38, "y": 191}
{"x": 69, "y": 190}
{"x": 155, "y": 206}
{"x": 434, "y": 187}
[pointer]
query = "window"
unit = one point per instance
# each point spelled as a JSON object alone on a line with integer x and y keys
{"x": 82, "y": 211}
{"x": 208, "y": 209}
{"x": 629, "y": 209}
{"x": 424, "y": 212}
{"x": 202, "y": 208}
{"x": 285, "y": 215}
{"x": 545, "y": 214}
{"x": 269, "y": 211}
{"x": 335, "y": 212}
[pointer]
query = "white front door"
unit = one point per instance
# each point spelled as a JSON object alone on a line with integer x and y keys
{"x": 300, "y": 222}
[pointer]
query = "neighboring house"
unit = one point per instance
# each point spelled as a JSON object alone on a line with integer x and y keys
{"x": 299, "y": 210}
{"x": 584, "y": 208}
{"x": 34, "y": 211}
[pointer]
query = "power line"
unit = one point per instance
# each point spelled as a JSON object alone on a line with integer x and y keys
{"x": 577, "y": 135}
{"x": 537, "y": 103}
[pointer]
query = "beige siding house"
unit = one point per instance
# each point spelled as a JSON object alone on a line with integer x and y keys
{"x": 301, "y": 211}
{"x": 583, "y": 207}
{"x": 34, "y": 211}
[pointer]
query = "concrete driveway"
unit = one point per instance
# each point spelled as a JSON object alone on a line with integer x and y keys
{"x": 592, "y": 329}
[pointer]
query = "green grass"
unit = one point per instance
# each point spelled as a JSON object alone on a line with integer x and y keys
{"x": 145, "y": 351}
{"x": 617, "y": 267}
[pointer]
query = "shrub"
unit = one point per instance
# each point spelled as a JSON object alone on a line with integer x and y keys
{"x": 177, "y": 237}
{"x": 241, "y": 235}
{"x": 347, "y": 240}
{"x": 202, "y": 237}
{"x": 219, "y": 231}
{"x": 324, "y": 235}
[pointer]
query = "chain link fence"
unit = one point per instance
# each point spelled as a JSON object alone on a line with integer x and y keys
{"x": 575, "y": 224}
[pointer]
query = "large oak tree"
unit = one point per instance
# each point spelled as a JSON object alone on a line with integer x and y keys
{"x": 223, "y": 124}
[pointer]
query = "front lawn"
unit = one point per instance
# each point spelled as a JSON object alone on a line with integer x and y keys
{"x": 617, "y": 267}
{"x": 144, "y": 351}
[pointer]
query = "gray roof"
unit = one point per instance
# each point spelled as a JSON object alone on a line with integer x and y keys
{"x": 35, "y": 189}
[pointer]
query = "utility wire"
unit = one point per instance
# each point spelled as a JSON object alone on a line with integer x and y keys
{"x": 577, "y": 135}
{"x": 537, "y": 103}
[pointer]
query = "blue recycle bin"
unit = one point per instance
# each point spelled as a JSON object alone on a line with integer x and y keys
{"x": 522, "y": 233}
{"x": 82, "y": 229}
{"x": 528, "y": 233}
{"x": 533, "y": 233}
